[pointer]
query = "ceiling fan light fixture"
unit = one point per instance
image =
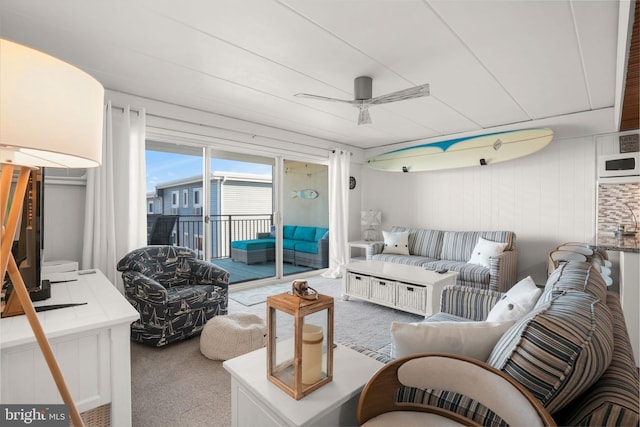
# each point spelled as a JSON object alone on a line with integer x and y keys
{"x": 363, "y": 115}
{"x": 363, "y": 97}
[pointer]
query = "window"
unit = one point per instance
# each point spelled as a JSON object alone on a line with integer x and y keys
{"x": 174, "y": 199}
{"x": 197, "y": 193}
{"x": 150, "y": 209}
{"x": 185, "y": 198}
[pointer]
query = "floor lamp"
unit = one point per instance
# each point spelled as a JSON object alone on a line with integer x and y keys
{"x": 50, "y": 116}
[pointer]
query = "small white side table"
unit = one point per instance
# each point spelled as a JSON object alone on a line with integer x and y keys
{"x": 257, "y": 401}
{"x": 367, "y": 245}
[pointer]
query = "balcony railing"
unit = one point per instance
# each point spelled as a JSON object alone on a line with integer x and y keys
{"x": 189, "y": 231}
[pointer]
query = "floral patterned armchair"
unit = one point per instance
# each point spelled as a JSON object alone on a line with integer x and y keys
{"x": 174, "y": 292}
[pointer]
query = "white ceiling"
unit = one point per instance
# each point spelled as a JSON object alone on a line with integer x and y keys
{"x": 489, "y": 63}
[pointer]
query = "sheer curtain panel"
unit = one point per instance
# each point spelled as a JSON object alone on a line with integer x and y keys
{"x": 115, "y": 214}
{"x": 339, "y": 162}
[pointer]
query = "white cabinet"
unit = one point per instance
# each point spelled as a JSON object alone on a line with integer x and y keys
{"x": 90, "y": 342}
{"x": 256, "y": 401}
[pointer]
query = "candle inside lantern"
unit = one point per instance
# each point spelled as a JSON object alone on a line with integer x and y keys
{"x": 312, "y": 337}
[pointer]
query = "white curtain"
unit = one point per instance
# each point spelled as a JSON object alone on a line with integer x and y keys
{"x": 339, "y": 162}
{"x": 115, "y": 209}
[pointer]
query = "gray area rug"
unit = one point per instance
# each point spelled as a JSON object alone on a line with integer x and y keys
{"x": 177, "y": 385}
{"x": 249, "y": 297}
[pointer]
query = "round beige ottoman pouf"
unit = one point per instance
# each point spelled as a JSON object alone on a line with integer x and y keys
{"x": 230, "y": 335}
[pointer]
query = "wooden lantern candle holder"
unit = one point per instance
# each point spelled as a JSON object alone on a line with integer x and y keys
{"x": 299, "y": 342}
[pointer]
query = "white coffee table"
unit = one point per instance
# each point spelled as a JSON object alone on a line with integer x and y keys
{"x": 404, "y": 287}
{"x": 255, "y": 401}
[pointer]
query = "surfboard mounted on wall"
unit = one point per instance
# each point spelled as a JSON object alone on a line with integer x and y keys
{"x": 478, "y": 150}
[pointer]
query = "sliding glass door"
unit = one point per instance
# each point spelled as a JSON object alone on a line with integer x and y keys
{"x": 305, "y": 216}
{"x": 232, "y": 200}
{"x": 257, "y": 217}
{"x": 174, "y": 196}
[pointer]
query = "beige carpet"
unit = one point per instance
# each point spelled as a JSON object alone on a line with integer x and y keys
{"x": 178, "y": 386}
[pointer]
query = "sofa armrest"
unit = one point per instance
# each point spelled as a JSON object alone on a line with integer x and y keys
{"x": 377, "y": 248}
{"x": 470, "y": 303}
{"x": 206, "y": 273}
{"x": 503, "y": 270}
{"x": 139, "y": 287}
{"x": 323, "y": 251}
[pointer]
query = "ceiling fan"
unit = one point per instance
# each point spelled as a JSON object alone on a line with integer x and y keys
{"x": 362, "y": 97}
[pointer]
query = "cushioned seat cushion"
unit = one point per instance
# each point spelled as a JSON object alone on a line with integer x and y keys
{"x": 289, "y": 244}
{"x": 468, "y": 273}
{"x": 613, "y": 399}
{"x": 458, "y": 245}
{"x": 304, "y": 233}
{"x": 554, "y": 365}
{"x": 307, "y": 247}
{"x": 577, "y": 276}
{"x": 288, "y": 231}
{"x": 402, "y": 259}
{"x": 423, "y": 242}
{"x": 248, "y": 245}
{"x": 321, "y": 233}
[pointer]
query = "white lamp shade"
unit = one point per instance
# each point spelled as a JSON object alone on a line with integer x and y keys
{"x": 50, "y": 111}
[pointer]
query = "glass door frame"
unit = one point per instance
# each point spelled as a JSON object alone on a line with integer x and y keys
{"x": 209, "y": 144}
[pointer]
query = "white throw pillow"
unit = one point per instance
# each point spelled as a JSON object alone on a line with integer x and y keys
{"x": 396, "y": 242}
{"x": 472, "y": 339}
{"x": 516, "y": 302}
{"x": 484, "y": 250}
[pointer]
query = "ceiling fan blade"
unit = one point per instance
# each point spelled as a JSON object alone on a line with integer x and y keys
{"x": 322, "y": 98}
{"x": 410, "y": 93}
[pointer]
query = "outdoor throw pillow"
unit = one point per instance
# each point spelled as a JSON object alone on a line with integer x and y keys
{"x": 516, "y": 302}
{"x": 472, "y": 339}
{"x": 484, "y": 250}
{"x": 396, "y": 242}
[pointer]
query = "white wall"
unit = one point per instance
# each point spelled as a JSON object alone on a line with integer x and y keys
{"x": 307, "y": 212}
{"x": 63, "y": 219}
{"x": 546, "y": 198}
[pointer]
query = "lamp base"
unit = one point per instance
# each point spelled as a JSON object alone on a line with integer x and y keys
{"x": 370, "y": 235}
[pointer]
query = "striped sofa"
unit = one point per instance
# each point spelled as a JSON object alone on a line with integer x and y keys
{"x": 572, "y": 351}
{"x": 436, "y": 249}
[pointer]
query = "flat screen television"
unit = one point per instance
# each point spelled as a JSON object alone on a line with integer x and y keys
{"x": 28, "y": 245}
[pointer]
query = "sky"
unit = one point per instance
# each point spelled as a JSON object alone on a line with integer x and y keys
{"x": 163, "y": 167}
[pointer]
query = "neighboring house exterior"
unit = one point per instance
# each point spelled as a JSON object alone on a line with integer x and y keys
{"x": 237, "y": 201}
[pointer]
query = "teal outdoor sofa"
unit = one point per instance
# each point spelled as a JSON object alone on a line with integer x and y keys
{"x": 301, "y": 245}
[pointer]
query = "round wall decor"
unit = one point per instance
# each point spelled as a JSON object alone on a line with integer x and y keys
{"x": 352, "y": 183}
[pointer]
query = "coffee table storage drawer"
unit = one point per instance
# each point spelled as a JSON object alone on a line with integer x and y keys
{"x": 383, "y": 291}
{"x": 411, "y": 297}
{"x": 358, "y": 285}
